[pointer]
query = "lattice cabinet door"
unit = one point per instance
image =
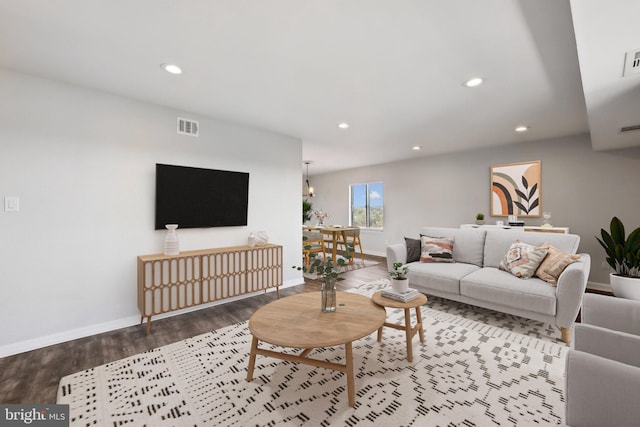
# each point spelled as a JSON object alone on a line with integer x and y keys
{"x": 264, "y": 268}
{"x": 170, "y": 284}
{"x": 223, "y": 275}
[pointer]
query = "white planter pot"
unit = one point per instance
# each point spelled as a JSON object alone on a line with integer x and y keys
{"x": 625, "y": 287}
{"x": 400, "y": 285}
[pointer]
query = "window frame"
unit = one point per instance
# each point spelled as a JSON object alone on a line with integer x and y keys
{"x": 367, "y": 205}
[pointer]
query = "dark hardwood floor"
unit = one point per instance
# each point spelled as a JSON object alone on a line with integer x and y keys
{"x": 33, "y": 377}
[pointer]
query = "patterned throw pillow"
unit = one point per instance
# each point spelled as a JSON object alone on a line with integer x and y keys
{"x": 436, "y": 249}
{"x": 554, "y": 264}
{"x": 413, "y": 249}
{"x": 522, "y": 259}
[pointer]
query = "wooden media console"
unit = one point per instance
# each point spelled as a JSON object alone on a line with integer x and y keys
{"x": 169, "y": 283}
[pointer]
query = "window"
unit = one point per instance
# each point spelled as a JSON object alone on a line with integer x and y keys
{"x": 367, "y": 205}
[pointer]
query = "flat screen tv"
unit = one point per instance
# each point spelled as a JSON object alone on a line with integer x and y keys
{"x": 198, "y": 198}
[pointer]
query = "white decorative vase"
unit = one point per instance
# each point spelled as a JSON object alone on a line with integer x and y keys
{"x": 262, "y": 238}
{"x": 625, "y": 287}
{"x": 171, "y": 245}
{"x": 252, "y": 240}
{"x": 400, "y": 285}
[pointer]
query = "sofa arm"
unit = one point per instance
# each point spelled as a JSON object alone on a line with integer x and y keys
{"x": 396, "y": 253}
{"x": 571, "y": 286}
{"x": 614, "y": 345}
{"x": 608, "y": 312}
{"x": 600, "y": 392}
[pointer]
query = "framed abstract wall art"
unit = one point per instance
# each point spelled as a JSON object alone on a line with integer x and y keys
{"x": 515, "y": 189}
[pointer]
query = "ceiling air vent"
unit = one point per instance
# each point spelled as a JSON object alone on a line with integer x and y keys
{"x": 188, "y": 127}
{"x": 630, "y": 128}
{"x": 632, "y": 63}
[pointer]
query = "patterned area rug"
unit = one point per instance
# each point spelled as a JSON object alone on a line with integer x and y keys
{"x": 476, "y": 368}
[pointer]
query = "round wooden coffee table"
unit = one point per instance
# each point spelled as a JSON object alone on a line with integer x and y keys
{"x": 407, "y": 306}
{"x": 297, "y": 322}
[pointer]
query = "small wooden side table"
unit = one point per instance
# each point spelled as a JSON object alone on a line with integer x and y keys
{"x": 407, "y": 306}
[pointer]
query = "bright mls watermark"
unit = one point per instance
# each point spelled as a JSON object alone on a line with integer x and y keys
{"x": 34, "y": 415}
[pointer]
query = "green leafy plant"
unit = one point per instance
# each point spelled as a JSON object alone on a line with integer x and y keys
{"x": 328, "y": 269}
{"x": 479, "y": 216}
{"x": 399, "y": 271}
{"x": 306, "y": 210}
{"x": 623, "y": 253}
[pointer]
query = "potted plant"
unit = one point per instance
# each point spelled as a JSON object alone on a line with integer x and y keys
{"x": 399, "y": 282}
{"x": 479, "y": 218}
{"x": 329, "y": 272}
{"x": 306, "y": 211}
{"x": 623, "y": 255}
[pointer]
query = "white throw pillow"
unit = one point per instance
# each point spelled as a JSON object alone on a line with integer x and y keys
{"x": 522, "y": 260}
{"x": 436, "y": 249}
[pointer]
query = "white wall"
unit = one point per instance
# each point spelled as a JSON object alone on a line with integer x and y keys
{"x": 582, "y": 188}
{"x": 83, "y": 165}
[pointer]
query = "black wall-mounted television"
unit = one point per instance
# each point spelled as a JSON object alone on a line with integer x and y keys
{"x": 199, "y": 198}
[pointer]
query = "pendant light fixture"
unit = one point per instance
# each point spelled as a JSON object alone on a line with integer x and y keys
{"x": 310, "y": 192}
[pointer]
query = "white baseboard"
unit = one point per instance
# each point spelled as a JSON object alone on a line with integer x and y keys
{"x": 374, "y": 253}
{"x": 603, "y": 287}
{"x": 99, "y": 328}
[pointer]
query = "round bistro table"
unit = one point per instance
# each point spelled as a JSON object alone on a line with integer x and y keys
{"x": 297, "y": 322}
{"x": 410, "y": 331}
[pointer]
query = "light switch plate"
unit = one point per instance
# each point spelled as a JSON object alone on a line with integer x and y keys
{"x": 11, "y": 204}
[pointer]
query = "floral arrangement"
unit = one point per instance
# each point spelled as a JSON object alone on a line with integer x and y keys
{"x": 320, "y": 215}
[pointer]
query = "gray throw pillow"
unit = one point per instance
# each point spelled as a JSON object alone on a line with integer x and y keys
{"x": 413, "y": 249}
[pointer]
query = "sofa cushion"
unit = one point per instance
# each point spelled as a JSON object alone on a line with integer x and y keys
{"x": 497, "y": 242}
{"x": 522, "y": 259}
{"x": 413, "y": 249}
{"x": 436, "y": 249}
{"x": 444, "y": 277}
{"x": 500, "y": 287}
{"x": 554, "y": 264}
{"x": 468, "y": 243}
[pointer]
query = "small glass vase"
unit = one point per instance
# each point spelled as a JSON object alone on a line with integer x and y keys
{"x": 328, "y": 292}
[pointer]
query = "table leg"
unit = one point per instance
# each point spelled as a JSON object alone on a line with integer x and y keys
{"x": 252, "y": 358}
{"x": 334, "y": 236}
{"x": 380, "y": 334}
{"x": 407, "y": 328}
{"x": 350, "y": 380}
{"x": 306, "y": 352}
{"x": 420, "y": 327}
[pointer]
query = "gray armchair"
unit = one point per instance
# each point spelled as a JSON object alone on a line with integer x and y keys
{"x": 602, "y": 383}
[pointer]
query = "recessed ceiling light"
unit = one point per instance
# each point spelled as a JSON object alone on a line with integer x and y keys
{"x": 171, "y": 68}
{"x": 476, "y": 81}
{"x": 522, "y": 128}
{"x": 416, "y": 147}
{"x": 343, "y": 125}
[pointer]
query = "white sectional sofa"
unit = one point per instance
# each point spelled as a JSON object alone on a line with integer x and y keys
{"x": 474, "y": 278}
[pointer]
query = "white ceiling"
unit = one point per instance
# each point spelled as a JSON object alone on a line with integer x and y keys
{"x": 605, "y": 31}
{"x": 392, "y": 69}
